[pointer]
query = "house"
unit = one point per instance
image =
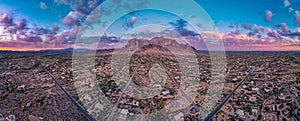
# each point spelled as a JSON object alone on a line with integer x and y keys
{"x": 254, "y": 111}
{"x": 255, "y": 89}
{"x": 157, "y": 86}
{"x": 124, "y": 111}
{"x": 11, "y": 118}
{"x": 21, "y": 87}
{"x": 136, "y": 103}
{"x": 28, "y": 104}
{"x": 178, "y": 117}
{"x": 252, "y": 99}
{"x": 1, "y": 117}
{"x": 99, "y": 106}
{"x": 240, "y": 113}
{"x": 165, "y": 92}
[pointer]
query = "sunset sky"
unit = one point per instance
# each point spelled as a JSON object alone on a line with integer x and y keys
{"x": 242, "y": 24}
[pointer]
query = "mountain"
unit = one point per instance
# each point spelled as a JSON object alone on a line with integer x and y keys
{"x": 156, "y": 42}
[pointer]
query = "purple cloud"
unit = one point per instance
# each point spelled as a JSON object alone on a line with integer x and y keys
{"x": 6, "y": 20}
{"x": 284, "y": 28}
{"x": 81, "y": 9}
{"x": 258, "y": 29}
{"x": 286, "y": 3}
{"x": 273, "y": 33}
{"x": 247, "y": 26}
{"x": 268, "y": 16}
{"x": 180, "y": 27}
{"x": 31, "y": 39}
{"x": 73, "y": 18}
{"x": 129, "y": 22}
{"x": 21, "y": 24}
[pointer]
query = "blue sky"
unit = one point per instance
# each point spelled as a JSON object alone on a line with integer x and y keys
{"x": 31, "y": 10}
{"x": 68, "y": 15}
{"x": 250, "y": 11}
{"x": 223, "y": 12}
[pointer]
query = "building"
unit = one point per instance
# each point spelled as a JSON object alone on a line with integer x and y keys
{"x": 178, "y": 117}
{"x": 241, "y": 113}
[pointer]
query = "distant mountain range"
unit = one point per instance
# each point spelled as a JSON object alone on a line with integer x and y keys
{"x": 156, "y": 42}
{"x": 160, "y": 41}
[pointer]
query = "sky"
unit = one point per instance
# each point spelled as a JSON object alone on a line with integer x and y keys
{"x": 242, "y": 24}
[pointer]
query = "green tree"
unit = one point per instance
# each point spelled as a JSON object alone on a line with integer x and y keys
{"x": 259, "y": 117}
{"x": 284, "y": 119}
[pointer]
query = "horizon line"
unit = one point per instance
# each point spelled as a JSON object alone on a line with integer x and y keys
{"x": 65, "y": 49}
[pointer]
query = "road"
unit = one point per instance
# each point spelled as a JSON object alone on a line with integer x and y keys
{"x": 111, "y": 115}
{"x": 202, "y": 113}
{"x": 83, "y": 111}
{"x": 208, "y": 118}
{"x": 293, "y": 96}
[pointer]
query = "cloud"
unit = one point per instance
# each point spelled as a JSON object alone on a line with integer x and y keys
{"x": 185, "y": 32}
{"x": 286, "y": 3}
{"x": 258, "y": 29}
{"x": 284, "y": 28}
{"x": 59, "y": 2}
{"x": 81, "y": 6}
{"x": 297, "y": 18}
{"x": 245, "y": 42}
{"x": 18, "y": 31}
{"x": 292, "y": 35}
{"x": 180, "y": 27}
{"x": 73, "y": 18}
{"x": 52, "y": 37}
{"x": 6, "y": 20}
{"x": 81, "y": 9}
{"x": 179, "y": 24}
{"x": 247, "y": 26}
{"x": 233, "y": 25}
{"x": 291, "y": 9}
{"x": 268, "y": 16}
{"x": 31, "y": 39}
{"x": 43, "y": 31}
{"x": 109, "y": 39}
{"x": 43, "y": 5}
{"x": 129, "y": 22}
{"x": 67, "y": 37}
{"x": 273, "y": 33}
{"x": 48, "y": 38}
{"x": 21, "y": 24}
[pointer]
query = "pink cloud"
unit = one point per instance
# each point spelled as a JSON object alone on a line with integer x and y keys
{"x": 73, "y": 18}
{"x": 6, "y": 20}
{"x": 268, "y": 16}
{"x": 129, "y": 23}
{"x": 257, "y": 29}
{"x": 20, "y": 25}
{"x": 284, "y": 28}
{"x": 286, "y": 3}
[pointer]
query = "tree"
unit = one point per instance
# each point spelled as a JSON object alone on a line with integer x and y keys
{"x": 259, "y": 117}
{"x": 248, "y": 107}
{"x": 278, "y": 113}
{"x": 171, "y": 91}
{"x": 238, "y": 102}
{"x": 267, "y": 109}
{"x": 284, "y": 119}
{"x": 233, "y": 118}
